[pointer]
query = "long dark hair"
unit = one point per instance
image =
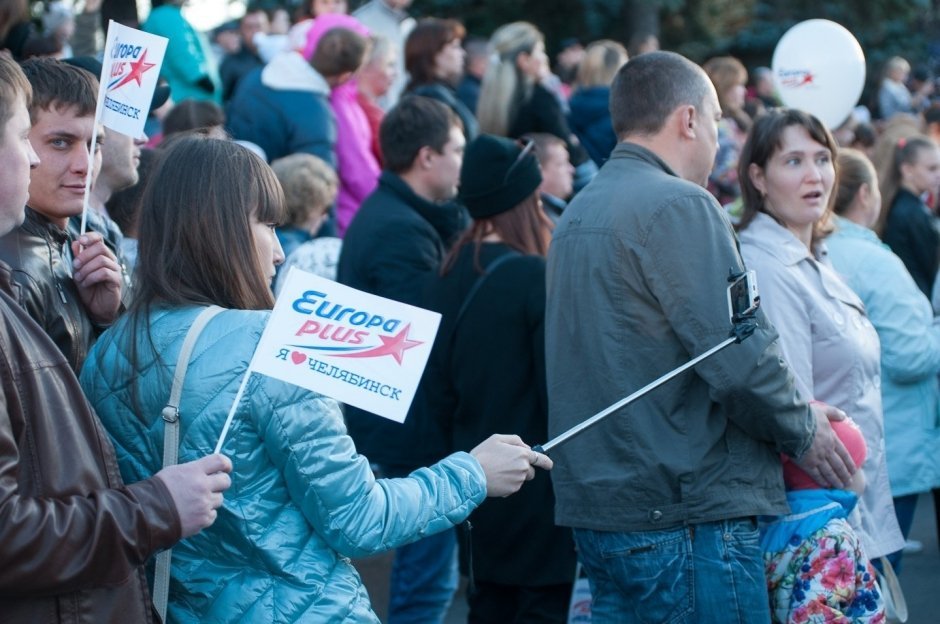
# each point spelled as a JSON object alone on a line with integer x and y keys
{"x": 196, "y": 246}
{"x": 195, "y": 242}
{"x": 763, "y": 140}
{"x": 525, "y": 228}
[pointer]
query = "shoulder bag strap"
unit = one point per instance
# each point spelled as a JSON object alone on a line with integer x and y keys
{"x": 171, "y": 445}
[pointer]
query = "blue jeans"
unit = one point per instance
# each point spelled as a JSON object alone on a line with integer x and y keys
{"x": 904, "y": 507}
{"x": 711, "y": 572}
{"x": 424, "y": 579}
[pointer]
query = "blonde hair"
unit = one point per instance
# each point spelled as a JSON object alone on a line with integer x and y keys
{"x": 901, "y": 126}
{"x": 601, "y": 61}
{"x": 854, "y": 170}
{"x": 504, "y": 86}
{"x": 380, "y": 49}
{"x": 309, "y": 185}
{"x": 727, "y": 72}
{"x": 895, "y": 63}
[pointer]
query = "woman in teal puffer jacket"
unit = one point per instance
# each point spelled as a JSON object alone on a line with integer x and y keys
{"x": 302, "y": 500}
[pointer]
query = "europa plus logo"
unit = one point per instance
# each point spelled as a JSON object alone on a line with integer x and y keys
{"x": 348, "y": 332}
{"x": 796, "y": 78}
{"x": 128, "y": 64}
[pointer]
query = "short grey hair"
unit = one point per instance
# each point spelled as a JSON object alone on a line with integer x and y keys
{"x": 650, "y": 87}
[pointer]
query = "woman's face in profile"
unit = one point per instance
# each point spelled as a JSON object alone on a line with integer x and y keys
{"x": 922, "y": 175}
{"x": 267, "y": 246}
{"x": 534, "y": 64}
{"x": 797, "y": 180}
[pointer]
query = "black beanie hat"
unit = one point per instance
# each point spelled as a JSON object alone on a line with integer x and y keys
{"x": 494, "y": 179}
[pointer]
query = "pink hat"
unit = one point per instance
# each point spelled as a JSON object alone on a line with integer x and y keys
{"x": 851, "y": 437}
{"x": 329, "y": 21}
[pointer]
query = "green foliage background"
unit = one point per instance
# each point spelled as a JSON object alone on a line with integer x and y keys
{"x": 699, "y": 29}
{"x": 748, "y": 29}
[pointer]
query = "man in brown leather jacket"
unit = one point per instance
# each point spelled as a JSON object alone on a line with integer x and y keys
{"x": 73, "y": 537}
{"x": 72, "y": 297}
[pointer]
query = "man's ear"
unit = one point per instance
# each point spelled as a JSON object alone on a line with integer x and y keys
{"x": 687, "y": 120}
{"x": 424, "y": 157}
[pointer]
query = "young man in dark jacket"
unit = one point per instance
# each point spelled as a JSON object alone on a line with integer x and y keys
{"x": 73, "y": 537}
{"x": 394, "y": 243}
{"x": 72, "y": 288}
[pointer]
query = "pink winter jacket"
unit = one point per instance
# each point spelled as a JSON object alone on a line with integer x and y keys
{"x": 356, "y": 165}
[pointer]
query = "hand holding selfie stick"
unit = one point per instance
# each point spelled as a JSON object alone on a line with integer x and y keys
{"x": 742, "y": 317}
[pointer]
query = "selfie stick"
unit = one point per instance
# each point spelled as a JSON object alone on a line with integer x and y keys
{"x": 742, "y": 329}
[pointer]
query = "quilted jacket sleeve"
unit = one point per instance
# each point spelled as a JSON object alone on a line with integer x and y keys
{"x": 334, "y": 486}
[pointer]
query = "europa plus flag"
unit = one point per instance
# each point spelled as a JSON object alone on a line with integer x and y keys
{"x": 357, "y": 348}
{"x": 129, "y": 73}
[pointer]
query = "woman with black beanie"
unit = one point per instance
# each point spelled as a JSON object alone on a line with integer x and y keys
{"x": 487, "y": 373}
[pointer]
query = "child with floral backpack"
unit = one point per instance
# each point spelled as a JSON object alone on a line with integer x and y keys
{"x": 816, "y": 569}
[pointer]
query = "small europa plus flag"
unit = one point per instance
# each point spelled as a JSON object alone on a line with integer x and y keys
{"x": 130, "y": 69}
{"x": 357, "y": 348}
{"x": 129, "y": 72}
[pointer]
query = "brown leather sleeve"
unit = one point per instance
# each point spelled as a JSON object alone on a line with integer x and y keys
{"x": 50, "y": 545}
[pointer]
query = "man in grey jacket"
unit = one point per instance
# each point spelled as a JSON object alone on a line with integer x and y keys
{"x": 663, "y": 495}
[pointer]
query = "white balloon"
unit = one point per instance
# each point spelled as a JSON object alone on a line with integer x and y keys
{"x": 819, "y": 67}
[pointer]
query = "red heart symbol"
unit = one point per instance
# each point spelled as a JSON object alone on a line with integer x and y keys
{"x": 297, "y": 357}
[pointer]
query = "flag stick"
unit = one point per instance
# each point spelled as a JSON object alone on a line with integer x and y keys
{"x": 99, "y": 105}
{"x": 88, "y": 174}
{"x": 231, "y": 412}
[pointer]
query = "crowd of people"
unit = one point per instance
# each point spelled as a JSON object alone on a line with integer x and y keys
{"x": 575, "y": 225}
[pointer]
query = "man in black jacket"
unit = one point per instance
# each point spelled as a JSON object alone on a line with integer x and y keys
{"x": 394, "y": 243}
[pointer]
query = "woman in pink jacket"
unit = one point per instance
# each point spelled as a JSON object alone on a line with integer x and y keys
{"x": 356, "y": 165}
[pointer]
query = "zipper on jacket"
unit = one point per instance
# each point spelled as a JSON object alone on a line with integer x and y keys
{"x": 55, "y": 278}
{"x": 79, "y": 349}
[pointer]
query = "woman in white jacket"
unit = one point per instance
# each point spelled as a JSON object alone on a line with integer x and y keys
{"x": 787, "y": 175}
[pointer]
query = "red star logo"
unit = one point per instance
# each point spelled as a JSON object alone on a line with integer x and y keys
{"x": 137, "y": 70}
{"x": 394, "y": 346}
{"x": 808, "y": 79}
